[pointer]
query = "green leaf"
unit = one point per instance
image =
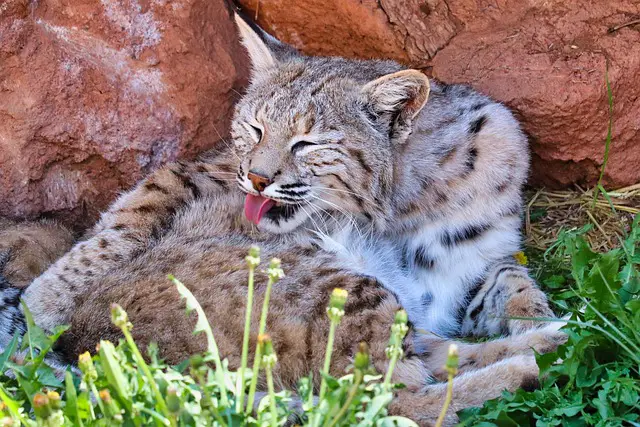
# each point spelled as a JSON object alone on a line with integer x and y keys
{"x": 71, "y": 397}
{"x": 9, "y": 351}
{"x": 202, "y": 324}
{"x": 375, "y": 407}
{"x": 113, "y": 371}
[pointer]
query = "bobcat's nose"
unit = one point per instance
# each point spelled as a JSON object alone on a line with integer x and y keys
{"x": 259, "y": 181}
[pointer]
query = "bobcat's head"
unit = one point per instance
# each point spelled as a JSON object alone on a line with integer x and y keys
{"x": 317, "y": 137}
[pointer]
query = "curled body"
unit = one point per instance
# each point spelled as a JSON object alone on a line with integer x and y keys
{"x": 204, "y": 243}
{"x": 361, "y": 175}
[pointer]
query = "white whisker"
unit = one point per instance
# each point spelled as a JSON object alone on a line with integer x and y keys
{"x": 229, "y": 147}
{"x": 349, "y": 216}
{"x": 345, "y": 191}
{"x": 317, "y": 231}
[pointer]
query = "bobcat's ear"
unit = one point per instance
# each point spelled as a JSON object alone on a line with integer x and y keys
{"x": 401, "y": 94}
{"x": 261, "y": 56}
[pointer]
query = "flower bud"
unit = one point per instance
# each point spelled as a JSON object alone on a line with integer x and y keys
{"x": 274, "y": 271}
{"x": 338, "y": 298}
{"x": 253, "y": 259}
{"x": 401, "y": 318}
{"x": 452, "y": 359}
{"x": 41, "y": 406}
{"x": 54, "y": 399}
{"x": 173, "y": 401}
{"x": 119, "y": 317}
{"x": 361, "y": 361}
{"x": 105, "y": 396}
{"x": 269, "y": 358}
{"x": 85, "y": 363}
{"x": 111, "y": 408}
{"x": 336, "y": 304}
{"x": 196, "y": 361}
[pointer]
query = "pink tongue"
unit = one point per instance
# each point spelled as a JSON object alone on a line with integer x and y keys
{"x": 256, "y": 206}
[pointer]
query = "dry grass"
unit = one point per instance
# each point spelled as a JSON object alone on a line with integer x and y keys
{"x": 547, "y": 212}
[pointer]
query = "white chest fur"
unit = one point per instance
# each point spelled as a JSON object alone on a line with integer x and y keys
{"x": 445, "y": 269}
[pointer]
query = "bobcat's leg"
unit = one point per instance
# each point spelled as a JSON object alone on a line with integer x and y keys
{"x": 131, "y": 223}
{"x": 507, "y": 292}
{"x": 433, "y": 350}
{"x": 469, "y": 389}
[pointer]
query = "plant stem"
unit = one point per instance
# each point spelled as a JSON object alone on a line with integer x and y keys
{"x": 258, "y": 354}
{"x": 392, "y": 365}
{"x": 162, "y": 406}
{"x": 245, "y": 342}
{"x": 272, "y": 396}
{"x": 157, "y": 417}
{"x": 607, "y": 144}
{"x": 447, "y": 400}
{"x": 254, "y": 380}
{"x": 327, "y": 359}
{"x": 94, "y": 390}
{"x": 352, "y": 393}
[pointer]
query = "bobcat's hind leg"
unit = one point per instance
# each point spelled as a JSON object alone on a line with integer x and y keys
{"x": 469, "y": 389}
{"x": 507, "y": 292}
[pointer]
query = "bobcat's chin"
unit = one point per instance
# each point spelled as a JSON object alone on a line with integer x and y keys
{"x": 283, "y": 219}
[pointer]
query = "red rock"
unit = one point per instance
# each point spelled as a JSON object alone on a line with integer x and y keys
{"x": 96, "y": 94}
{"x": 546, "y": 60}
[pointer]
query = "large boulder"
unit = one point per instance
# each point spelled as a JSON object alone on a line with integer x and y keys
{"x": 94, "y": 94}
{"x": 544, "y": 59}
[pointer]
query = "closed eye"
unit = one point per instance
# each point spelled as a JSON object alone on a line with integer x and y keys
{"x": 257, "y": 133}
{"x": 300, "y": 145}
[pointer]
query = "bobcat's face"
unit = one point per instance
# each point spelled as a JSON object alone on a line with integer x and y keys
{"x": 316, "y": 136}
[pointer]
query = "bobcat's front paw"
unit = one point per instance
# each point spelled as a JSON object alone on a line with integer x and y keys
{"x": 547, "y": 339}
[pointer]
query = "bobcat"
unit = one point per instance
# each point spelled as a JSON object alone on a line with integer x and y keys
{"x": 355, "y": 180}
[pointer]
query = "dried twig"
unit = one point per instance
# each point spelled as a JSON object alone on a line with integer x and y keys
{"x": 626, "y": 24}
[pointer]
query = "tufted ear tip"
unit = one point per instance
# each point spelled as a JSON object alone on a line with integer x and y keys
{"x": 259, "y": 53}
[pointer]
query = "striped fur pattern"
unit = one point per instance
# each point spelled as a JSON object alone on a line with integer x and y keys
{"x": 399, "y": 200}
{"x": 11, "y": 317}
{"x": 204, "y": 243}
{"x": 440, "y": 179}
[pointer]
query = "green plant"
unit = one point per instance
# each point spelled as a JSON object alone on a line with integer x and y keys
{"x": 594, "y": 379}
{"x": 118, "y": 386}
{"x": 607, "y": 144}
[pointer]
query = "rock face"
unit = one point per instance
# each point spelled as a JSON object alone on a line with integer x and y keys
{"x": 544, "y": 59}
{"x": 95, "y": 94}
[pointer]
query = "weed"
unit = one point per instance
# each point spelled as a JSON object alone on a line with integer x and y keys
{"x": 594, "y": 379}
{"x": 607, "y": 144}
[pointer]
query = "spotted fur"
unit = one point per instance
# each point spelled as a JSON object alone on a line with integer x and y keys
{"x": 401, "y": 201}
{"x": 440, "y": 178}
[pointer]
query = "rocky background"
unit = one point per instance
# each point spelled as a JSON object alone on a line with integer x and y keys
{"x": 94, "y": 94}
